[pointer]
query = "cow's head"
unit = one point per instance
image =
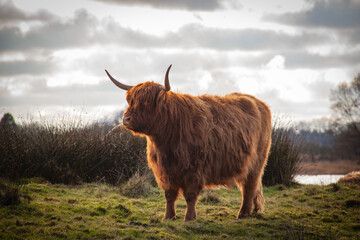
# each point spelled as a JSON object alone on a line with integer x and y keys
{"x": 140, "y": 116}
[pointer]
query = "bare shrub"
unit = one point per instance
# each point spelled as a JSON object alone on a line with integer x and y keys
{"x": 70, "y": 152}
{"x": 285, "y": 155}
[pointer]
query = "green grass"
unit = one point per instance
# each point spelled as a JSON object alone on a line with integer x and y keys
{"x": 99, "y": 211}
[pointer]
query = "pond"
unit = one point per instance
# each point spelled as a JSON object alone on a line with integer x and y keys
{"x": 317, "y": 179}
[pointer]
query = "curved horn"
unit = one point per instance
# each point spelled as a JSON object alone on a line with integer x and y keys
{"x": 117, "y": 83}
{"x": 167, "y": 84}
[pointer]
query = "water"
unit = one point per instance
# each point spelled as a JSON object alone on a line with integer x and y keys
{"x": 317, "y": 179}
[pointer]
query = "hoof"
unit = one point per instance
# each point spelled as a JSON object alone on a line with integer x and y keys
{"x": 190, "y": 216}
{"x": 169, "y": 218}
{"x": 243, "y": 216}
{"x": 189, "y": 219}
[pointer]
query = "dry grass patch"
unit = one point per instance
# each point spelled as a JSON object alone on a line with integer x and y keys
{"x": 353, "y": 177}
{"x": 137, "y": 186}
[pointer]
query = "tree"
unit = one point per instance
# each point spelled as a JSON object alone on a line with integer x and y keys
{"x": 7, "y": 122}
{"x": 346, "y": 102}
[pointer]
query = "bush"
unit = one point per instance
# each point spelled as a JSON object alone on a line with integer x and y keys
{"x": 284, "y": 157}
{"x": 70, "y": 152}
{"x": 11, "y": 193}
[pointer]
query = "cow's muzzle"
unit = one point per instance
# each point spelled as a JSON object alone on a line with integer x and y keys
{"x": 126, "y": 120}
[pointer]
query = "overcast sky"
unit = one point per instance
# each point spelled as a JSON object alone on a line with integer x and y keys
{"x": 290, "y": 54}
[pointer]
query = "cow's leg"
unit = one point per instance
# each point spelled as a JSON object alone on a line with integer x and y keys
{"x": 248, "y": 193}
{"x": 171, "y": 196}
{"x": 259, "y": 200}
{"x": 252, "y": 197}
{"x": 251, "y": 187}
{"x": 191, "y": 196}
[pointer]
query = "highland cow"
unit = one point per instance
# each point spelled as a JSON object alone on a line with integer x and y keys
{"x": 197, "y": 142}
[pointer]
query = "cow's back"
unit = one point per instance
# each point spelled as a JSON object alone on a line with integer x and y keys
{"x": 240, "y": 130}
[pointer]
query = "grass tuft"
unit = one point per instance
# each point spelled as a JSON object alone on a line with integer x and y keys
{"x": 137, "y": 186}
{"x": 11, "y": 193}
{"x": 335, "y": 187}
{"x": 352, "y": 203}
{"x": 208, "y": 197}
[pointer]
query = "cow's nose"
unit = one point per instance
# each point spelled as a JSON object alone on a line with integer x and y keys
{"x": 126, "y": 120}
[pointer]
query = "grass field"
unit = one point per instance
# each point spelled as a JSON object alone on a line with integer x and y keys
{"x": 99, "y": 211}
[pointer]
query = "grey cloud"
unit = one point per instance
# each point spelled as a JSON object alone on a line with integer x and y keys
{"x": 24, "y": 67}
{"x": 330, "y": 14}
{"x": 198, "y": 36}
{"x": 37, "y": 93}
{"x": 85, "y": 29}
{"x": 299, "y": 59}
{"x": 351, "y": 36}
{"x": 11, "y": 39}
{"x": 298, "y": 110}
{"x": 320, "y": 88}
{"x": 221, "y": 83}
{"x": 186, "y": 62}
{"x": 198, "y": 16}
{"x": 196, "y": 5}
{"x": 10, "y": 13}
{"x": 242, "y": 39}
{"x": 53, "y": 35}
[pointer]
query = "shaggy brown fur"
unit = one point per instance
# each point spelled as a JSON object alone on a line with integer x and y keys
{"x": 195, "y": 142}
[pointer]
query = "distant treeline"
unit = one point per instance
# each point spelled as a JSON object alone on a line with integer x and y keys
{"x": 333, "y": 143}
